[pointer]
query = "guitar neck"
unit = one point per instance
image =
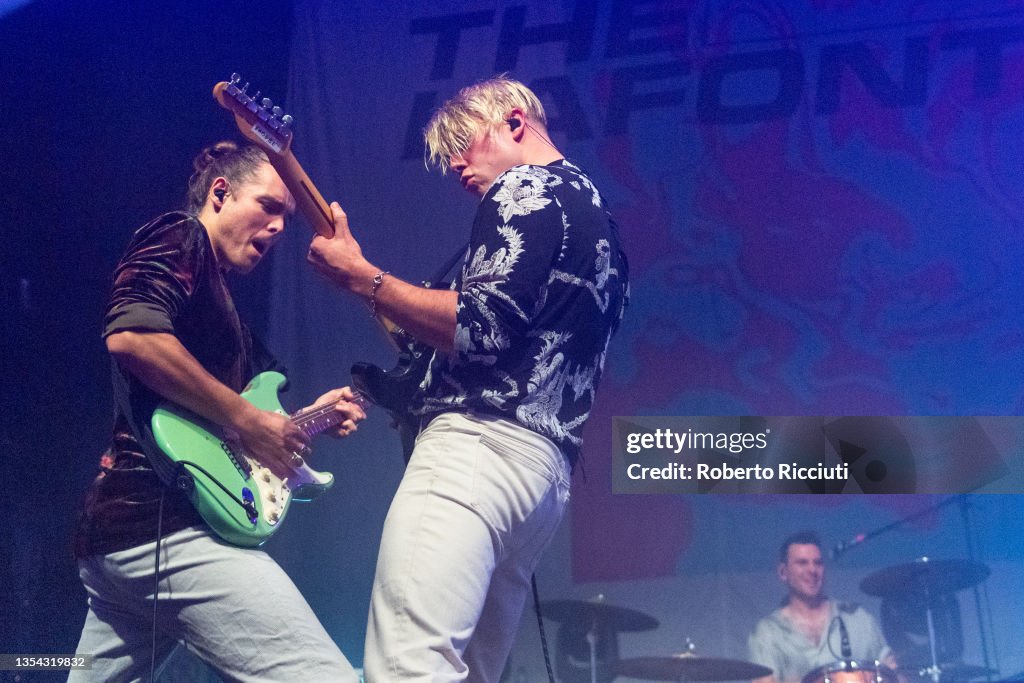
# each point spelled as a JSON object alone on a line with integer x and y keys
{"x": 265, "y": 126}
{"x": 307, "y": 198}
{"x": 320, "y": 418}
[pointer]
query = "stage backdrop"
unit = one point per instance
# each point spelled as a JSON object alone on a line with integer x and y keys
{"x": 821, "y": 202}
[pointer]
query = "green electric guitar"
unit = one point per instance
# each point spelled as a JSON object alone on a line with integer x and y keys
{"x": 242, "y": 501}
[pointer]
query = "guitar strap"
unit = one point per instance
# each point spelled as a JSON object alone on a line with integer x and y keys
{"x": 449, "y": 264}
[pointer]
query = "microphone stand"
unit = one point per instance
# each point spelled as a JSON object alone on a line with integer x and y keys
{"x": 961, "y": 499}
{"x": 972, "y": 555}
{"x": 863, "y": 538}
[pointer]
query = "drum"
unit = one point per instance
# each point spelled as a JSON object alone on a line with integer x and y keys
{"x": 850, "y": 671}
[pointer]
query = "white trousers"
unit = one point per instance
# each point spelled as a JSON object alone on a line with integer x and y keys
{"x": 234, "y": 607}
{"x": 480, "y": 500}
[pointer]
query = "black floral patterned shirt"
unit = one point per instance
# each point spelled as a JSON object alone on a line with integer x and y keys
{"x": 541, "y": 292}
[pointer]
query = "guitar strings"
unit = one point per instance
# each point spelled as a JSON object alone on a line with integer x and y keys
{"x": 307, "y": 415}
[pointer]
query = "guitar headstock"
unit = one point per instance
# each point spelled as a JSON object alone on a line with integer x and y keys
{"x": 270, "y": 129}
{"x": 259, "y": 121}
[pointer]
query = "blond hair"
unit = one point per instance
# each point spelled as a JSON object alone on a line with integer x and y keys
{"x": 482, "y": 106}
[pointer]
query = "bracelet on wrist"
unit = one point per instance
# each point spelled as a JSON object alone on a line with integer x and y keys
{"x": 378, "y": 280}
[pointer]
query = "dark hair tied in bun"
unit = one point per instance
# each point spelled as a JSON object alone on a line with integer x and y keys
{"x": 225, "y": 159}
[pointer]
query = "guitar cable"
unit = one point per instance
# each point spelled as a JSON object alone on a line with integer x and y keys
{"x": 540, "y": 626}
{"x": 156, "y": 582}
{"x": 185, "y": 482}
{"x": 181, "y": 478}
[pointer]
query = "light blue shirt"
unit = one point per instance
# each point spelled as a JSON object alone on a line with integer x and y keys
{"x": 777, "y": 643}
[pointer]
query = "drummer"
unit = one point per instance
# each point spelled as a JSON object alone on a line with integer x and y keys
{"x": 804, "y": 633}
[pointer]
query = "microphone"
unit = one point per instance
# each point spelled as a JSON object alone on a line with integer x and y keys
{"x": 841, "y": 548}
{"x": 844, "y": 641}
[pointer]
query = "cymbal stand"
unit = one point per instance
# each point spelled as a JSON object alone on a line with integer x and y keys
{"x": 934, "y": 670}
{"x": 691, "y": 647}
{"x": 592, "y": 643}
{"x": 962, "y": 500}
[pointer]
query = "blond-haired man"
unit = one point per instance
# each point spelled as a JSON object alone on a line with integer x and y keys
{"x": 520, "y": 344}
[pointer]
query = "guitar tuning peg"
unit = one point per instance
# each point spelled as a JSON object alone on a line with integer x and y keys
{"x": 245, "y": 87}
{"x": 267, "y": 104}
{"x": 277, "y": 111}
{"x": 256, "y": 96}
{"x": 235, "y": 78}
{"x": 287, "y": 119}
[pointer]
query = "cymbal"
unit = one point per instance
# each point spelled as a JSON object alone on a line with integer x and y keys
{"x": 925, "y": 576}
{"x": 688, "y": 667}
{"x": 595, "y": 609}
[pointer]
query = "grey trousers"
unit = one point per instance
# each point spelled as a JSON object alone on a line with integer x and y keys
{"x": 234, "y": 607}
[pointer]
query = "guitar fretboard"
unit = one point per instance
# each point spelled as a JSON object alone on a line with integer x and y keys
{"x": 320, "y": 418}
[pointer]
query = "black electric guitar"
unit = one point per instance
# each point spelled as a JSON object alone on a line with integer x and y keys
{"x": 394, "y": 389}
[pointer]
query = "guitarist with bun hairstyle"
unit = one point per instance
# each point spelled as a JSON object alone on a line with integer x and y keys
{"x": 520, "y": 343}
{"x": 174, "y": 335}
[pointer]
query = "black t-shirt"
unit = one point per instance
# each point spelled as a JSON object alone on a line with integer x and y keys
{"x": 167, "y": 281}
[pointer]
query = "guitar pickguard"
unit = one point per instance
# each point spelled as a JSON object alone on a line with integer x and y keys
{"x": 228, "y": 482}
